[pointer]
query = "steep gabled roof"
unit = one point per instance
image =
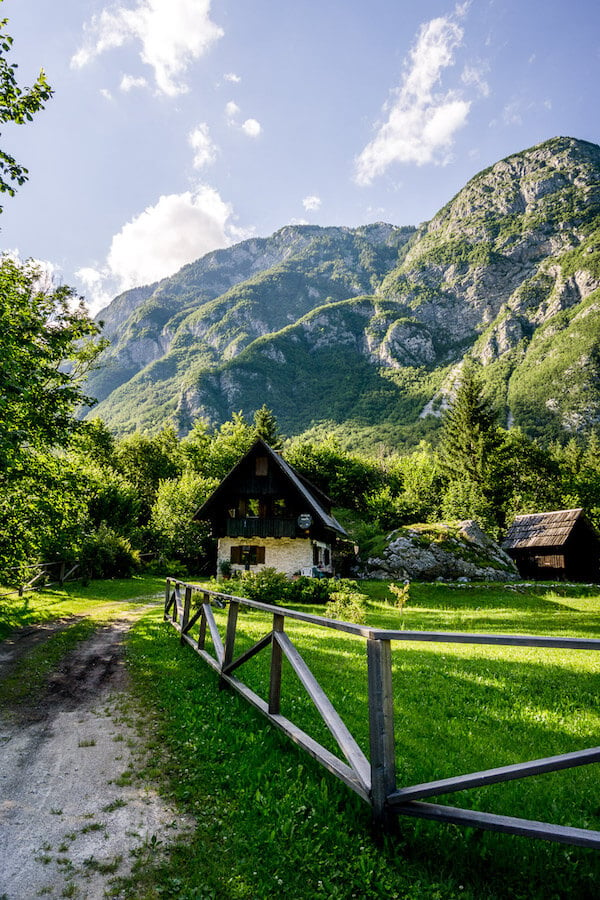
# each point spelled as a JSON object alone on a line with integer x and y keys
{"x": 313, "y": 497}
{"x": 549, "y": 529}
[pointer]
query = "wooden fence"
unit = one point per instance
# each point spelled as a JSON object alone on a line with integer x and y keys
{"x": 58, "y": 572}
{"x": 372, "y": 779}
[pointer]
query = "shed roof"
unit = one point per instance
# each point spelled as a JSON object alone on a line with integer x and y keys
{"x": 548, "y": 529}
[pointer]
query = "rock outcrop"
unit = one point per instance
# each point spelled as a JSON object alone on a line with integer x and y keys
{"x": 442, "y": 552}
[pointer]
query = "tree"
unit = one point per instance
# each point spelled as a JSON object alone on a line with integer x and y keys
{"x": 17, "y": 105}
{"x": 265, "y": 425}
{"x": 47, "y": 346}
{"x": 467, "y": 453}
{"x": 146, "y": 460}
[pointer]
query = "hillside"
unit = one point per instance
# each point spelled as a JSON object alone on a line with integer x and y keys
{"x": 362, "y": 330}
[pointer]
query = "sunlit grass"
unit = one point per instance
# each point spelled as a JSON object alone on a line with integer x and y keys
{"x": 458, "y": 708}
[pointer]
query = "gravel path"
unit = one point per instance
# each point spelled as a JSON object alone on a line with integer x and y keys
{"x": 71, "y": 817}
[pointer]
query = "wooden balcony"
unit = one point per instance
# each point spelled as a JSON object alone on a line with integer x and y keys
{"x": 264, "y": 528}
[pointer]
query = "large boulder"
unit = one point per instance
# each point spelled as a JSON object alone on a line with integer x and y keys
{"x": 447, "y": 551}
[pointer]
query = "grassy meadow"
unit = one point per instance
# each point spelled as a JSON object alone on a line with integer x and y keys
{"x": 272, "y": 822}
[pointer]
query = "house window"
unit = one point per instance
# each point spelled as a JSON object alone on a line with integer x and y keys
{"x": 262, "y": 465}
{"x": 247, "y": 555}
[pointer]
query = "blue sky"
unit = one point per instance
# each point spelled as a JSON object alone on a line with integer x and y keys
{"x": 180, "y": 126}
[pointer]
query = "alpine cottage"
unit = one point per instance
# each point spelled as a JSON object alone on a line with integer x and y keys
{"x": 549, "y": 545}
{"x": 265, "y": 514}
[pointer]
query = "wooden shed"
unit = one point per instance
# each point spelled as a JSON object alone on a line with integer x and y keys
{"x": 554, "y": 545}
{"x": 265, "y": 514}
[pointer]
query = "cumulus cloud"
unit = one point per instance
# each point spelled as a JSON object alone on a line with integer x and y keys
{"x": 129, "y": 82}
{"x": 421, "y": 119}
{"x": 231, "y": 110}
{"x": 311, "y": 203}
{"x": 178, "y": 229}
{"x": 232, "y": 77}
{"x": 205, "y": 150}
{"x": 172, "y": 34}
{"x": 251, "y": 127}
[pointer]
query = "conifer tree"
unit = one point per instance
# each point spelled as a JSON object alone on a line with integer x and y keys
{"x": 266, "y": 427}
{"x": 470, "y": 437}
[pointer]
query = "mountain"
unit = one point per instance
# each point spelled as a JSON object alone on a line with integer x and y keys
{"x": 363, "y": 330}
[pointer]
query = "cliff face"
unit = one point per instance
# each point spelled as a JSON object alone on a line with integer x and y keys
{"x": 367, "y": 327}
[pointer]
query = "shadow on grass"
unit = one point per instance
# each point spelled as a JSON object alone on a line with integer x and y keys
{"x": 271, "y": 817}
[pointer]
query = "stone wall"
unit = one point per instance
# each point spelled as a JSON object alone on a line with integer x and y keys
{"x": 289, "y": 555}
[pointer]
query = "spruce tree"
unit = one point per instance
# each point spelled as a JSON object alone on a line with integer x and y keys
{"x": 266, "y": 427}
{"x": 470, "y": 437}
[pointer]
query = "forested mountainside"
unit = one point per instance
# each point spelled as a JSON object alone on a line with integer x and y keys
{"x": 363, "y": 330}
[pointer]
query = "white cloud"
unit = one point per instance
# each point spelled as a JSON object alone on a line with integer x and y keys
{"x": 252, "y": 128}
{"x": 106, "y": 94}
{"x": 473, "y": 76}
{"x": 129, "y": 82}
{"x": 232, "y": 77}
{"x": 311, "y": 203}
{"x": 178, "y": 229}
{"x": 205, "y": 150}
{"x": 172, "y": 35}
{"x": 421, "y": 120}
{"x": 231, "y": 111}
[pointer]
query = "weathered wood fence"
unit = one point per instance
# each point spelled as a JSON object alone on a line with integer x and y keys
{"x": 58, "y": 572}
{"x": 372, "y": 779}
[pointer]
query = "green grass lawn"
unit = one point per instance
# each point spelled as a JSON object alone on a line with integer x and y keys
{"x": 272, "y": 822}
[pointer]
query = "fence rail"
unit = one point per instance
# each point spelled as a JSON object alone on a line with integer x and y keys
{"x": 63, "y": 573}
{"x": 373, "y": 778}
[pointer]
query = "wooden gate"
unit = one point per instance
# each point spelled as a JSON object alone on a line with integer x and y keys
{"x": 372, "y": 779}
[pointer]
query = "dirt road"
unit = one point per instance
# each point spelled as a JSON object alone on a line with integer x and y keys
{"x": 72, "y": 818}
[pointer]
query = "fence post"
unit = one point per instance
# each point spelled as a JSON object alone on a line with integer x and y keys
{"x": 167, "y": 598}
{"x": 276, "y": 664}
{"x": 381, "y": 729}
{"x": 202, "y": 631}
{"x": 185, "y": 618}
{"x": 230, "y": 633}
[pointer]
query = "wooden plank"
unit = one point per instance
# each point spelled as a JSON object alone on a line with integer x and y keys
{"x": 202, "y": 629}
{"x": 276, "y": 666}
{"x": 254, "y": 649}
{"x": 318, "y": 752}
{"x": 192, "y": 621}
{"x": 494, "y": 776}
{"x": 168, "y": 598}
{"x": 331, "y": 717}
{"x": 381, "y": 727}
{"x": 579, "y": 837}
{"x": 378, "y": 634}
{"x": 508, "y": 640}
{"x": 185, "y": 616}
{"x": 214, "y": 633}
{"x": 232, "y": 616}
{"x": 327, "y": 759}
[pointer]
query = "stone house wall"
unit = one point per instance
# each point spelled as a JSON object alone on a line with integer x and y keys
{"x": 288, "y": 555}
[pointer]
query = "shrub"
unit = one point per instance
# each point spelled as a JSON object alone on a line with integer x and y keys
{"x": 349, "y": 606}
{"x": 105, "y": 554}
{"x": 309, "y": 590}
{"x": 266, "y": 586}
{"x": 401, "y": 593}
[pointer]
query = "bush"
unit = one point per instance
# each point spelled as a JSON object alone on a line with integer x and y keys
{"x": 309, "y": 590}
{"x": 266, "y": 586}
{"x": 347, "y": 605}
{"x": 105, "y": 554}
